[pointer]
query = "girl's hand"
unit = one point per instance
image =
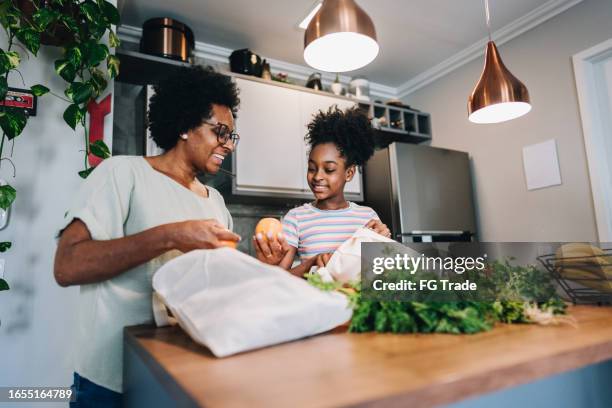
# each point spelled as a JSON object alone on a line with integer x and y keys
{"x": 200, "y": 234}
{"x": 323, "y": 259}
{"x": 378, "y": 227}
{"x": 271, "y": 250}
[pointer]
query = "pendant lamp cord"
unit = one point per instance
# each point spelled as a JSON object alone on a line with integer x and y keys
{"x": 488, "y": 15}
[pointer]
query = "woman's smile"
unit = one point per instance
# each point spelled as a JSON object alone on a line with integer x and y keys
{"x": 218, "y": 158}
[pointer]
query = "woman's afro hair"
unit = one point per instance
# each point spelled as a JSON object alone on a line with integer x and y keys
{"x": 183, "y": 100}
{"x": 349, "y": 130}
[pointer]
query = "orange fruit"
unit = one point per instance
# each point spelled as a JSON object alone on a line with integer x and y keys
{"x": 228, "y": 243}
{"x": 267, "y": 226}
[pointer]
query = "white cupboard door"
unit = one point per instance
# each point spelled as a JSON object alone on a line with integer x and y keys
{"x": 310, "y": 104}
{"x": 269, "y": 156}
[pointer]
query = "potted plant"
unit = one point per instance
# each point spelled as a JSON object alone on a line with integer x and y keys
{"x": 79, "y": 27}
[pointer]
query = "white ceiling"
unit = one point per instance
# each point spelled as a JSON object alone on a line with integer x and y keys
{"x": 414, "y": 35}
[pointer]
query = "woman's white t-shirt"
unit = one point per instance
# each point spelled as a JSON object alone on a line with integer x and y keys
{"x": 124, "y": 195}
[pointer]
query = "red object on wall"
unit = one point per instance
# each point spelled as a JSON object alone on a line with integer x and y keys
{"x": 97, "y": 112}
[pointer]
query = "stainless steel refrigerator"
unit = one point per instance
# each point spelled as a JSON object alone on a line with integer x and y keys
{"x": 422, "y": 193}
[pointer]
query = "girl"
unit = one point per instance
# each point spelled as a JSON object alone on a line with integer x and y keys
{"x": 339, "y": 142}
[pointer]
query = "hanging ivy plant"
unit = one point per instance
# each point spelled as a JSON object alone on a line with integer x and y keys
{"x": 86, "y": 65}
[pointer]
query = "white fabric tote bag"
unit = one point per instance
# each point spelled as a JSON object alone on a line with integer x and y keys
{"x": 345, "y": 264}
{"x": 231, "y": 302}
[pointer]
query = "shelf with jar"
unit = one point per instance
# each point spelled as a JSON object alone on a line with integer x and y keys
{"x": 398, "y": 122}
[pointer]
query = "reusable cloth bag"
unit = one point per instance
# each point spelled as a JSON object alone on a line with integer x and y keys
{"x": 345, "y": 264}
{"x": 231, "y": 302}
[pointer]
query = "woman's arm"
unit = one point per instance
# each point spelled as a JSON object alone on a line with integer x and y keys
{"x": 81, "y": 260}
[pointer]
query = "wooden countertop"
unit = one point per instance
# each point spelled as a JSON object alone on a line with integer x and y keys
{"x": 344, "y": 369}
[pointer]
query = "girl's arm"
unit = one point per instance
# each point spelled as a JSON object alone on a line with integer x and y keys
{"x": 299, "y": 270}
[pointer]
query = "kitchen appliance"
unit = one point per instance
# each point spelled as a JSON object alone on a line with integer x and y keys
{"x": 422, "y": 193}
{"x": 314, "y": 81}
{"x": 168, "y": 38}
{"x": 246, "y": 62}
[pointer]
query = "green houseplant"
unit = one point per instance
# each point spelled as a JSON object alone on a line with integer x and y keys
{"x": 79, "y": 27}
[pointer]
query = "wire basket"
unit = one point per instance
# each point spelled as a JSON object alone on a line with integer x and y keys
{"x": 594, "y": 287}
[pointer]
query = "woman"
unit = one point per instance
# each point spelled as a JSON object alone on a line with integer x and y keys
{"x": 135, "y": 213}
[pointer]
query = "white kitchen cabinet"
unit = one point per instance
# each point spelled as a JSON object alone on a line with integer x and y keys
{"x": 268, "y": 158}
{"x": 272, "y": 156}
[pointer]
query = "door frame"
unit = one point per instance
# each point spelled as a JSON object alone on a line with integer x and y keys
{"x": 594, "y": 130}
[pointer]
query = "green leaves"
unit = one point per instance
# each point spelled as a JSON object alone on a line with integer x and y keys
{"x": 8, "y": 60}
{"x": 73, "y": 115}
{"x": 12, "y": 122}
{"x": 113, "y": 66}
{"x": 85, "y": 173}
{"x": 90, "y": 10}
{"x": 94, "y": 53}
{"x": 100, "y": 149}
{"x": 3, "y": 87}
{"x": 65, "y": 69}
{"x": 97, "y": 80}
{"x": 30, "y": 38}
{"x": 9, "y": 15}
{"x": 110, "y": 12}
{"x": 113, "y": 40}
{"x": 45, "y": 16}
{"x": 74, "y": 55}
{"x": 5, "y": 246}
{"x": 39, "y": 90}
{"x": 4, "y": 285}
{"x": 79, "y": 92}
{"x": 7, "y": 196}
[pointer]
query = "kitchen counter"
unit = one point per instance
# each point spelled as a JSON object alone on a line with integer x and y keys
{"x": 165, "y": 367}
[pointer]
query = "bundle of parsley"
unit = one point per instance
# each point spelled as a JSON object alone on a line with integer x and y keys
{"x": 519, "y": 292}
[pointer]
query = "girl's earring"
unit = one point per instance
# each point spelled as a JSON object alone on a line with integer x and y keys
{"x": 184, "y": 136}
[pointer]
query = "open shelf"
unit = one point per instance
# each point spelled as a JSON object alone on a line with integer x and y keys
{"x": 144, "y": 69}
{"x": 399, "y": 124}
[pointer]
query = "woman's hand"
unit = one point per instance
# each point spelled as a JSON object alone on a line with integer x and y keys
{"x": 378, "y": 227}
{"x": 200, "y": 234}
{"x": 271, "y": 250}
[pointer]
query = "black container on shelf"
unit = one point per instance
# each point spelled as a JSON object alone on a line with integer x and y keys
{"x": 246, "y": 62}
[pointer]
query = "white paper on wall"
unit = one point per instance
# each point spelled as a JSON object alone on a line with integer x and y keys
{"x": 541, "y": 165}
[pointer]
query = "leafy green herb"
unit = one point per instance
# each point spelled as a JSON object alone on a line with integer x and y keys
{"x": 519, "y": 287}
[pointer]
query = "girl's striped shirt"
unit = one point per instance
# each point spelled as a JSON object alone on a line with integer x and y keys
{"x": 313, "y": 231}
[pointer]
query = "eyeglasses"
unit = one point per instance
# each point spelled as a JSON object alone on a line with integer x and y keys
{"x": 224, "y": 134}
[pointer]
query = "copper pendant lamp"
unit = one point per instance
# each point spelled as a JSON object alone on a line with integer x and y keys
{"x": 340, "y": 37}
{"x": 498, "y": 96}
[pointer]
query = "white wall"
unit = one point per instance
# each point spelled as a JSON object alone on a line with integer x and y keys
{"x": 541, "y": 58}
{"x": 37, "y": 315}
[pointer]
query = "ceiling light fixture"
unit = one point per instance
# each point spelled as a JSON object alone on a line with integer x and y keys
{"x": 304, "y": 24}
{"x": 498, "y": 96}
{"x": 340, "y": 37}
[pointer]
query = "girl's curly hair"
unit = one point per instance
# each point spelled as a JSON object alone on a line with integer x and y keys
{"x": 183, "y": 100}
{"x": 349, "y": 130}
